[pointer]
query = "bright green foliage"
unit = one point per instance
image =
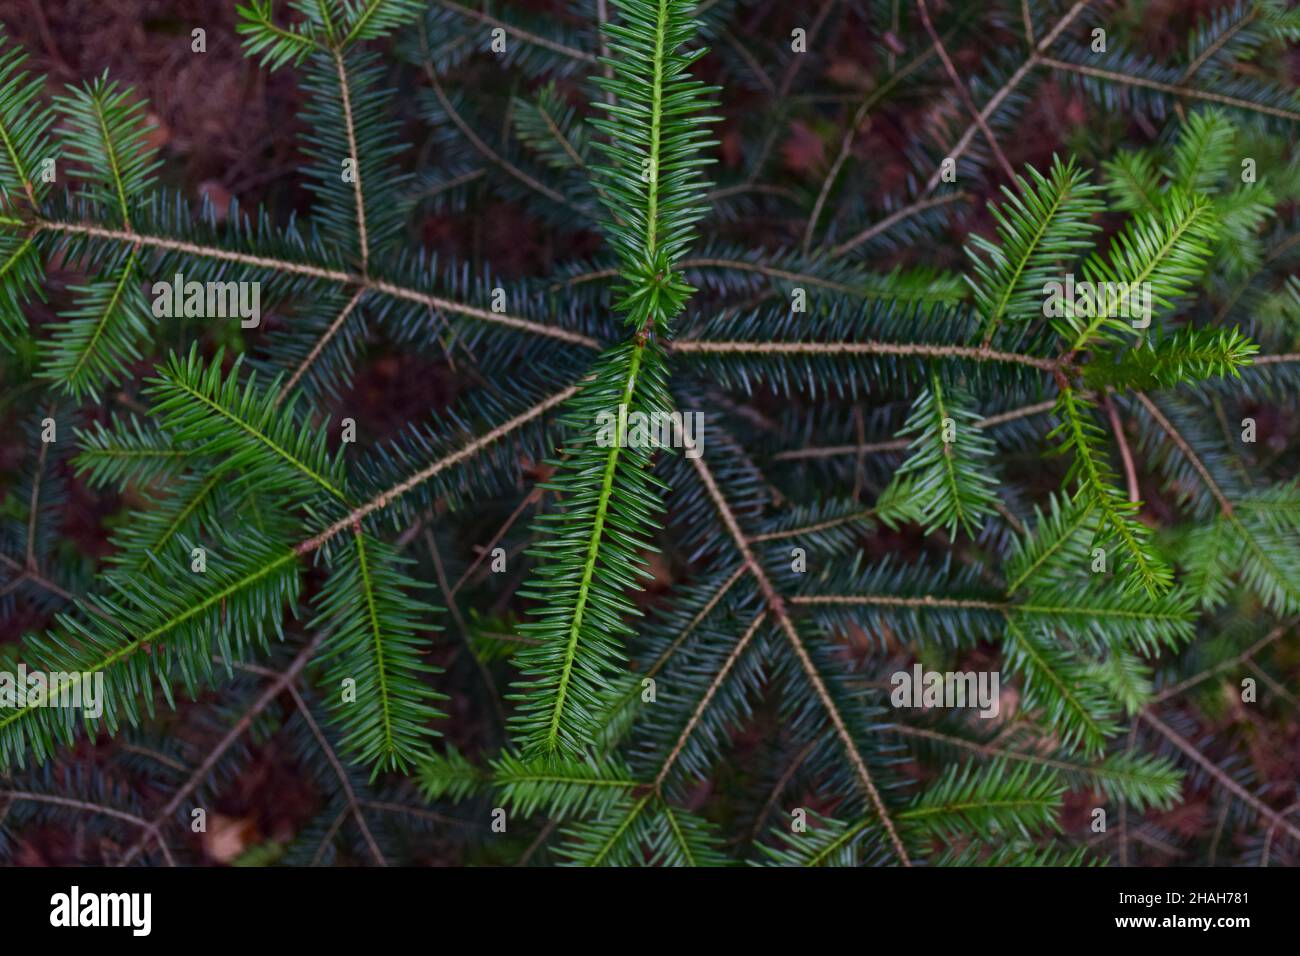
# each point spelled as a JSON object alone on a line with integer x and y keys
{"x": 1203, "y": 152}
{"x": 143, "y": 634}
{"x": 1044, "y": 223}
{"x": 244, "y": 426}
{"x": 589, "y": 551}
{"x": 1097, "y": 487}
{"x": 1062, "y": 686}
{"x": 657, "y": 143}
{"x": 24, "y": 144}
{"x": 326, "y": 24}
{"x": 1164, "y": 251}
{"x": 274, "y": 45}
{"x": 990, "y": 804}
{"x": 106, "y": 139}
{"x": 131, "y": 450}
{"x": 1187, "y": 355}
{"x": 1213, "y": 157}
{"x": 591, "y": 554}
{"x": 24, "y": 126}
{"x": 106, "y": 136}
{"x": 950, "y": 469}
{"x": 373, "y": 652}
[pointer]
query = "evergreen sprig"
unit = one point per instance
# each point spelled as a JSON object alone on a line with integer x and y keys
{"x": 896, "y": 461}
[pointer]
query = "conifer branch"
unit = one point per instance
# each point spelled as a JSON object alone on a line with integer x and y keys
{"x": 151, "y": 829}
{"x": 220, "y": 471}
{"x": 707, "y": 697}
{"x": 319, "y": 346}
{"x": 846, "y": 142}
{"x": 963, "y": 92}
{"x": 893, "y": 219}
{"x": 464, "y": 453}
{"x": 341, "y": 277}
{"x": 354, "y": 804}
{"x": 1035, "y": 58}
{"x": 488, "y": 152}
{"x": 1223, "y": 780}
{"x": 776, "y": 604}
{"x": 710, "y": 347}
{"x": 349, "y": 124}
{"x": 1173, "y": 89}
{"x": 581, "y": 56}
{"x": 204, "y": 769}
{"x": 1188, "y": 452}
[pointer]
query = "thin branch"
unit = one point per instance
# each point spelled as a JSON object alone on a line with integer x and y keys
{"x": 456, "y": 308}
{"x": 349, "y": 794}
{"x": 421, "y": 813}
{"x": 150, "y": 829}
{"x": 329, "y": 836}
{"x": 846, "y": 143}
{"x": 686, "y": 632}
{"x": 1218, "y": 44}
{"x": 716, "y": 347}
{"x": 750, "y": 61}
{"x": 461, "y": 454}
{"x": 1126, "y": 456}
{"x": 899, "y": 444}
{"x": 1245, "y": 656}
{"x": 33, "y": 505}
{"x": 777, "y": 606}
{"x": 783, "y": 90}
{"x": 709, "y": 693}
{"x": 477, "y": 141}
{"x": 772, "y": 272}
{"x": 317, "y": 272}
{"x": 1171, "y": 88}
{"x": 893, "y": 600}
{"x": 1268, "y": 836}
{"x": 494, "y": 695}
{"x": 1013, "y": 82}
{"x": 813, "y": 528}
{"x": 356, "y": 161}
{"x": 45, "y": 583}
{"x": 1210, "y": 767}
{"x": 964, "y": 93}
{"x": 519, "y": 33}
{"x": 782, "y": 782}
{"x": 893, "y": 219}
{"x": 226, "y": 742}
{"x": 319, "y": 346}
{"x": 739, "y": 265}
{"x": 1224, "y": 504}
{"x": 529, "y": 500}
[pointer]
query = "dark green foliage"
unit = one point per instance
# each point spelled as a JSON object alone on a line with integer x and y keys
{"x": 410, "y": 543}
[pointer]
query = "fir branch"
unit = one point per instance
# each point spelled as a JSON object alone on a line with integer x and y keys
{"x": 777, "y": 606}
{"x": 1174, "y": 89}
{"x": 385, "y": 287}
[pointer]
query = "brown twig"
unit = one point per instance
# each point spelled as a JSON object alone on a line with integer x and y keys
{"x": 238, "y": 730}
{"x": 1126, "y": 456}
{"x": 964, "y": 93}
